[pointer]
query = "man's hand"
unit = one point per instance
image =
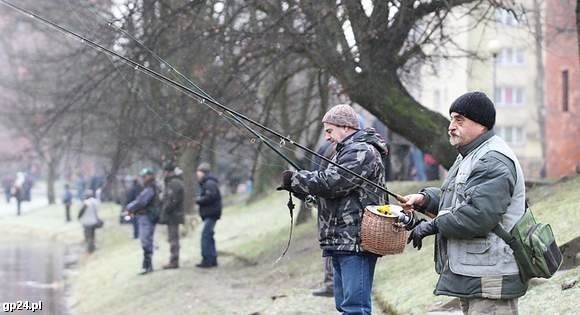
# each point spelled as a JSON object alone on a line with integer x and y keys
{"x": 413, "y": 201}
{"x": 286, "y": 180}
{"x": 420, "y": 231}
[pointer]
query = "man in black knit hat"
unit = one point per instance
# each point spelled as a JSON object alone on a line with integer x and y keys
{"x": 484, "y": 189}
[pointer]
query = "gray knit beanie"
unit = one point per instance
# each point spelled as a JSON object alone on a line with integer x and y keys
{"x": 342, "y": 115}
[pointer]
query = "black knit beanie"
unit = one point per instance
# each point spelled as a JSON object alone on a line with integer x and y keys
{"x": 475, "y": 106}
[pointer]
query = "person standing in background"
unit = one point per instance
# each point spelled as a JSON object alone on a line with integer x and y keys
{"x": 172, "y": 212}
{"x": 89, "y": 218}
{"x": 145, "y": 207}
{"x": 210, "y": 210}
{"x": 67, "y": 198}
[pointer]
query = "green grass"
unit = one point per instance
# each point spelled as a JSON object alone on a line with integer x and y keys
{"x": 249, "y": 239}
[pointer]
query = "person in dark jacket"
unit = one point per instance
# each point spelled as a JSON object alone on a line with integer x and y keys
{"x": 210, "y": 210}
{"x": 67, "y": 198}
{"x": 484, "y": 188}
{"x": 172, "y": 212}
{"x": 145, "y": 207}
{"x": 341, "y": 200}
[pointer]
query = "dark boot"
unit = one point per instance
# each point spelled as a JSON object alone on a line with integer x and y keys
{"x": 171, "y": 265}
{"x": 323, "y": 291}
{"x": 147, "y": 264}
{"x": 205, "y": 264}
{"x": 146, "y": 271}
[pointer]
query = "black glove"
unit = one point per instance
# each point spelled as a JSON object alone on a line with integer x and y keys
{"x": 420, "y": 231}
{"x": 286, "y": 180}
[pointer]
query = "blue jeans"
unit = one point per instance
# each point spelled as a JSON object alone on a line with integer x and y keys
{"x": 353, "y": 282}
{"x": 146, "y": 231}
{"x": 135, "y": 224}
{"x": 208, "y": 251}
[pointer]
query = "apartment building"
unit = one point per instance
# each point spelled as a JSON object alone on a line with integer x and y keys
{"x": 514, "y": 67}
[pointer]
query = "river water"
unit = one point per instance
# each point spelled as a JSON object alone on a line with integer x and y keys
{"x": 31, "y": 274}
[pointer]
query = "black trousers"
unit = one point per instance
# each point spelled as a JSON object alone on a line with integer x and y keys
{"x": 90, "y": 238}
{"x": 173, "y": 239}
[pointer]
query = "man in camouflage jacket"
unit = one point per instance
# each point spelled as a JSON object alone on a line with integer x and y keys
{"x": 341, "y": 201}
{"x": 484, "y": 188}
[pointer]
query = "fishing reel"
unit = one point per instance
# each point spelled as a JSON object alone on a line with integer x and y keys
{"x": 404, "y": 219}
{"x": 407, "y": 220}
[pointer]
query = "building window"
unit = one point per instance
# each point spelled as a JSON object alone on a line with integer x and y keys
{"x": 510, "y": 57}
{"x": 511, "y": 134}
{"x": 565, "y": 96}
{"x": 509, "y": 96}
{"x": 505, "y": 17}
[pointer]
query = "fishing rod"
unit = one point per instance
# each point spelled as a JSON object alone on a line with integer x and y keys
{"x": 200, "y": 97}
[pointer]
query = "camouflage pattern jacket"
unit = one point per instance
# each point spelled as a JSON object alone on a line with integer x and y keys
{"x": 341, "y": 196}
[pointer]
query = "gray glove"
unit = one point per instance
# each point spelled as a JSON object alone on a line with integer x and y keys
{"x": 420, "y": 231}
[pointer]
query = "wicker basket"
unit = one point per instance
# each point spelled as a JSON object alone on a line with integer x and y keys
{"x": 379, "y": 235}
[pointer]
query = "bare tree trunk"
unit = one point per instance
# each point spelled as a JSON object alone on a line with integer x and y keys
{"x": 110, "y": 189}
{"x": 187, "y": 162}
{"x": 51, "y": 179}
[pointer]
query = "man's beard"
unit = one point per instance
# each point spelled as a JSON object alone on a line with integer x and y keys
{"x": 455, "y": 140}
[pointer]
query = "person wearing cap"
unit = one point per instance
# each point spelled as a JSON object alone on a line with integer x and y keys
{"x": 341, "y": 199}
{"x": 145, "y": 207}
{"x": 210, "y": 210}
{"x": 484, "y": 188}
{"x": 172, "y": 212}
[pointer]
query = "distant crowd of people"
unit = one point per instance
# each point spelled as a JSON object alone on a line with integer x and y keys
{"x": 147, "y": 205}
